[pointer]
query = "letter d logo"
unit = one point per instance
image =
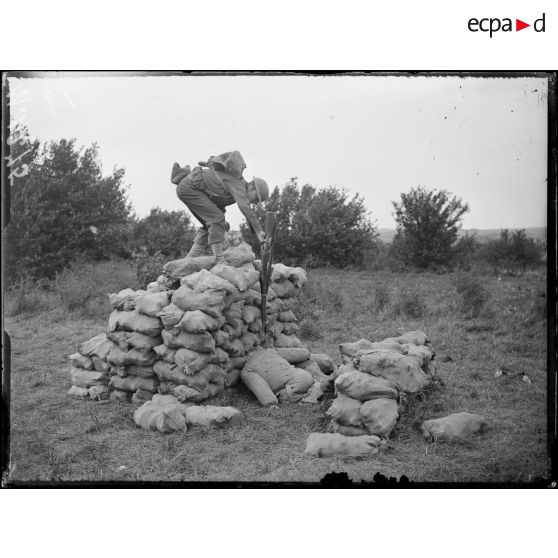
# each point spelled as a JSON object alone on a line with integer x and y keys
{"x": 539, "y": 24}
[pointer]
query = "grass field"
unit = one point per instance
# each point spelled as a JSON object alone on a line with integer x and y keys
{"x": 57, "y": 438}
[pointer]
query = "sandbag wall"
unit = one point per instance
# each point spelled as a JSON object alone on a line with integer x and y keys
{"x": 370, "y": 389}
{"x": 189, "y": 333}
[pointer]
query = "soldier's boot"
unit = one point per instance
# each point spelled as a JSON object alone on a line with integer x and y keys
{"x": 217, "y": 250}
{"x": 196, "y": 250}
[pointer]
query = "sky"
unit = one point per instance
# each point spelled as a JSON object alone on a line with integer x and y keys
{"x": 482, "y": 139}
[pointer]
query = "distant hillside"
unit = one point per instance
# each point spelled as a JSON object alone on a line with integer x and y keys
{"x": 482, "y": 234}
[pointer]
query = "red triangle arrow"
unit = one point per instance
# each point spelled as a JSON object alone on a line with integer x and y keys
{"x": 519, "y": 25}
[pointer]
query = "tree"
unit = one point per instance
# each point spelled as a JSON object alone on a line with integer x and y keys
{"x": 319, "y": 227}
{"x": 63, "y": 208}
{"x": 428, "y": 222}
{"x": 169, "y": 232}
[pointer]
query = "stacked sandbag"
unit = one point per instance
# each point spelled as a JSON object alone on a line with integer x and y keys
{"x": 134, "y": 330}
{"x": 370, "y": 383}
{"x": 89, "y": 370}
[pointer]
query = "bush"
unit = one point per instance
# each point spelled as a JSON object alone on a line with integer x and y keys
{"x": 148, "y": 266}
{"x": 473, "y": 296}
{"x": 318, "y": 227}
{"x": 381, "y": 297}
{"x": 409, "y": 304}
{"x": 27, "y": 295}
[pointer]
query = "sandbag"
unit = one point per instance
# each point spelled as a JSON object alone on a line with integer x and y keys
{"x": 133, "y": 383}
{"x": 314, "y": 394}
{"x": 288, "y": 341}
{"x": 349, "y": 349}
{"x": 127, "y": 340}
{"x": 256, "y": 326}
{"x": 134, "y": 321}
{"x": 165, "y": 353}
{"x": 99, "y": 393}
{"x": 275, "y": 329}
{"x": 348, "y": 430}
{"x": 253, "y": 297}
{"x": 222, "y": 339}
{"x": 275, "y": 306}
{"x": 239, "y": 255}
{"x": 379, "y": 416}
{"x": 250, "y": 313}
{"x": 80, "y": 361}
{"x": 259, "y": 387}
{"x": 284, "y": 288}
{"x": 416, "y": 337}
{"x": 177, "y": 269}
{"x": 277, "y": 372}
{"x": 210, "y": 301}
{"x": 234, "y": 312}
{"x": 455, "y": 427}
{"x": 423, "y": 353}
{"x": 186, "y": 394}
{"x": 232, "y": 377}
{"x": 318, "y": 376}
{"x": 119, "y": 395}
{"x": 171, "y": 315}
{"x": 239, "y": 361}
{"x": 290, "y": 328}
{"x": 210, "y": 415}
{"x": 249, "y": 341}
{"x": 287, "y": 316}
{"x": 125, "y": 299}
{"x": 237, "y": 348}
{"x": 79, "y": 392}
{"x": 293, "y": 355}
{"x": 323, "y": 445}
{"x": 140, "y": 371}
{"x": 242, "y": 279}
{"x": 346, "y": 410}
{"x": 324, "y": 361}
{"x": 118, "y": 357}
{"x": 98, "y": 346}
{"x": 151, "y": 304}
{"x": 200, "y": 342}
{"x": 364, "y": 387}
{"x": 170, "y": 373}
{"x": 140, "y": 396}
{"x": 205, "y": 280}
{"x": 163, "y": 414}
{"x": 197, "y": 321}
{"x": 191, "y": 362}
{"x": 288, "y": 395}
{"x": 87, "y": 378}
{"x": 100, "y": 365}
{"x": 404, "y": 371}
{"x": 233, "y": 297}
{"x": 348, "y": 367}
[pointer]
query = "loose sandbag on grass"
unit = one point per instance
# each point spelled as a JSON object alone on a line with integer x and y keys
{"x": 197, "y": 321}
{"x": 171, "y": 315}
{"x": 80, "y": 361}
{"x": 239, "y": 255}
{"x": 205, "y": 280}
{"x": 177, "y": 269}
{"x": 259, "y": 387}
{"x": 210, "y": 301}
{"x": 379, "y": 416}
{"x": 323, "y": 445}
{"x": 404, "y": 371}
{"x": 163, "y": 414}
{"x": 312, "y": 367}
{"x": 79, "y": 392}
{"x": 86, "y": 378}
{"x": 364, "y": 387}
{"x": 210, "y": 415}
{"x": 416, "y": 337}
{"x": 134, "y": 321}
{"x": 118, "y": 357}
{"x": 324, "y": 361}
{"x": 348, "y": 430}
{"x": 133, "y": 383}
{"x": 98, "y": 346}
{"x": 151, "y": 304}
{"x": 191, "y": 362}
{"x": 141, "y": 396}
{"x": 128, "y": 340}
{"x": 288, "y": 341}
{"x": 453, "y": 428}
{"x": 349, "y": 349}
{"x": 200, "y": 342}
{"x": 165, "y": 353}
{"x": 315, "y": 393}
{"x": 346, "y": 410}
{"x": 293, "y": 355}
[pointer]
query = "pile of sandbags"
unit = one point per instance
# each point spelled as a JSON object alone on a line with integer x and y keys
{"x": 89, "y": 370}
{"x": 370, "y": 382}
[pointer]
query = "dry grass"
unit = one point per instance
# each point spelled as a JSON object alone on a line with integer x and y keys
{"x": 54, "y": 437}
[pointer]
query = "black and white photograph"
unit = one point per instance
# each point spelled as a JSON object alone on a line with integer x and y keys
{"x": 277, "y": 278}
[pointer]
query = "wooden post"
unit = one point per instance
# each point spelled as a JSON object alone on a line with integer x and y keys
{"x": 266, "y": 255}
